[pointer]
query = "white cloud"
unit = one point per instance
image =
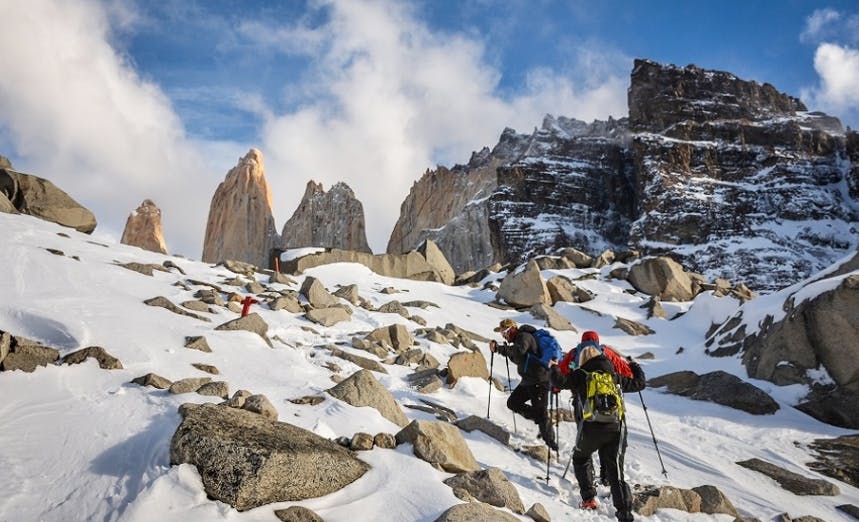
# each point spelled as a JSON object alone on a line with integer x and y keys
{"x": 817, "y": 24}
{"x": 78, "y": 114}
{"x": 390, "y": 98}
{"x": 838, "y": 69}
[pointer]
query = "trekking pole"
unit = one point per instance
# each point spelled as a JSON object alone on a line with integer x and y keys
{"x": 489, "y": 398}
{"x": 548, "y": 448}
{"x": 655, "y": 444}
{"x": 510, "y": 388}
{"x": 567, "y": 467}
{"x": 558, "y": 425}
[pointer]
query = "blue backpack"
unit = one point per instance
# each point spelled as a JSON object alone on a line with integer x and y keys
{"x": 548, "y": 347}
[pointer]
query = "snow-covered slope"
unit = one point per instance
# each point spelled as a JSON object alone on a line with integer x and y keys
{"x": 81, "y": 443}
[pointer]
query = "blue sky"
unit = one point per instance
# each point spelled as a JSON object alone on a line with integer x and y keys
{"x": 122, "y": 100}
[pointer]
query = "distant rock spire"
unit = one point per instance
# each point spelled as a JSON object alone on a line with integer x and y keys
{"x": 143, "y": 228}
{"x": 333, "y": 219}
{"x": 241, "y": 225}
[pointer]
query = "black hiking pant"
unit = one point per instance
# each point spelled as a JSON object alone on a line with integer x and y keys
{"x": 611, "y": 446}
{"x": 537, "y": 394}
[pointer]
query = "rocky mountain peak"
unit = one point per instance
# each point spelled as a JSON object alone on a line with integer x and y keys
{"x": 662, "y": 95}
{"x": 333, "y": 219}
{"x": 143, "y": 228}
{"x": 241, "y": 225}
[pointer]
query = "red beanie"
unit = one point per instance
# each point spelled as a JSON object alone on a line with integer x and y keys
{"x": 590, "y": 336}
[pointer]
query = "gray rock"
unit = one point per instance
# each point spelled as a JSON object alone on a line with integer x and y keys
{"x": 837, "y": 458}
{"x": 713, "y": 501}
{"x": 632, "y": 327}
{"x": 425, "y": 381}
{"x": 170, "y": 265}
{"x": 105, "y": 360}
{"x": 473, "y": 422}
{"x": 475, "y": 512}
{"x": 316, "y": 294}
{"x": 363, "y": 362}
{"x": 254, "y": 288}
{"x": 538, "y": 513}
{"x": 238, "y": 399}
{"x": 385, "y": 440}
{"x": 163, "y": 302}
{"x": 40, "y": 198}
{"x": 287, "y": 302}
{"x": 470, "y": 364}
{"x": 328, "y": 316}
{"x": 189, "y": 385}
{"x": 525, "y": 289}
{"x": 197, "y": 342}
{"x": 490, "y": 486}
{"x": 197, "y": 306}
{"x": 154, "y": 380}
{"x": 647, "y": 502}
{"x": 260, "y": 405}
{"x": 394, "y": 307}
{"x": 361, "y": 442}
{"x": 208, "y": 368}
{"x": 578, "y": 258}
{"x": 215, "y": 389}
{"x": 553, "y": 319}
{"x": 210, "y": 296}
{"x": 362, "y": 389}
{"x": 466, "y": 335}
{"x": 793, "y": 482}
{"x": 247, "y": 460}
{"x": 604, "y": 259}
{"x": 251, "y": 323}
{"x": 437, "y": 260}
{"x": 27, "y": 357}
{"x": 5, "y": 345}
{"x": 277, "y": 277}
{"x": 850, "y": 509}
{"x": 297, "y": 514}
{"x": 440, "y": 444}
{"x": 377, "y": 348}
{"x": 141, "y": 268}
{"x": 661, "y": 277}
{"x": 349, "y": 293}
{"x": 396, "y": 335}
{"x": 719, "y": 387}
{"x": 312, "y": 400}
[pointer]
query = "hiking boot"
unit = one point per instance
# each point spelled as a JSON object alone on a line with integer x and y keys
{"x": 589, "y": 504}
{"x": 548, "y": 435}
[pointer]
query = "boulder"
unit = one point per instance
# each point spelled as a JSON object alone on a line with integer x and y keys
{"x": 197, "y": 306}
{"x": 147, "y": 269}
{"x": 525, "y": 289}
{"x": 475, "y": 512}
{"x": 604, "y": 259}
{"x": 578, "y": 258}
{"x": 316, "y": 294}
{"x": 810, "y": 338}
{"x": 288, "y": 303}
{"x": 247, "y": 460}
{"x": 40, "y": 198}
{"x": 719, "y": 387}
{"x": 208, "y": 368}
{"x": 385, "y": 440}
{"x": 362, "y": 389}
{"x": 197, "y": 342}
{"x": 439, "y": 443}
{"x": 297, "y": 514}
{"x": 349, "y": 293}
{"x": 793, "y": 482}
{"x": 215, "y": 389}
{"x": 189, "y": 385}
{"x": 538, "y": 513}
{"x": 394, "y": 307}
{"x": 240, "y": 225}
{"x": 713, "y": 501}
{"x": 553, "y": 319}
{"x": 425, "y": 381}
{"x": 238, "y": 399}
{"x": 163, "y": 302}
{"x": 361, "y": 442}
{"x": 260, "y": 404}
{"x": 411, "y": 265}
{"x": 27, "y": 357}
{"x": 251, "y": 323}
{"x": 490, "y": 486}
{"x": 396, "y": 336}
{"x": 363, "y": 362}
{"x": 661, "y": 277}
{"x": 473, "y": 422}
{"x": 436, "y": 259}
{"x": 5, "y": 343}
{"x": 665, "y": 497}
{"x": 466, "y": 364}
{"x": 837, "y": 458}
{"x": 328, "y": 316}
{"x": 154, "y": 380}
{"x": 631, "y": 327}
{"x": 143, "y": 228}
{"x": 105, "y": 360}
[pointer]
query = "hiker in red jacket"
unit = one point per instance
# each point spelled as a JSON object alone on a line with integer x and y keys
{"x": 534, "y": 386}
{"x": 602, "y": 421}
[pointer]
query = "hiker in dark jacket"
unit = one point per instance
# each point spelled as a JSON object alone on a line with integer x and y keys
{"x": 534, "y": 386}
{"x": 607, "y": 438}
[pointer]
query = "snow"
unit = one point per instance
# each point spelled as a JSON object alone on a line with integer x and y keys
{"x": 82, "y": 443}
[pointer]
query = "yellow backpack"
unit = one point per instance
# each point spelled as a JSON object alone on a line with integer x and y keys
{"x": 604, "y": 400}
